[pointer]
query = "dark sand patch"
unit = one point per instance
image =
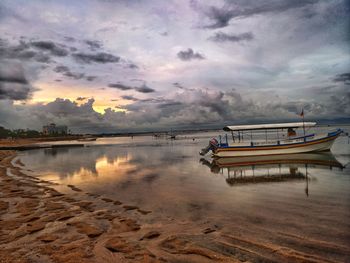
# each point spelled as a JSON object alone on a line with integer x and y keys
{"x": 74, "y": 188}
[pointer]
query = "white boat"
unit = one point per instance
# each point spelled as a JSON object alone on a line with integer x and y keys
{"x": 243, "y": 143}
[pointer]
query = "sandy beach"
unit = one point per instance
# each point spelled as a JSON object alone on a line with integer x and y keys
{"x": 40, "y": 224}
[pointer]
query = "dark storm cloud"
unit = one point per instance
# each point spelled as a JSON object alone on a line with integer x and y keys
{"x": 221, "y": 16}
{"x": 129, "y": 97}
{"x": 132, "y": 66}
{"x": 119, "y": 86}
{"x": 93, "y": 44}
{"x": 142, "y": 89}
{"x": 100, "y": 57}
{"x": 66, "y": 72}
{"x": 170, "y": 104}
{"x": 223, "y": 37}
{"x": 51, "y": 47}
{"x": 91, "y": 78}
{"x": 189, "y": 54}
{"x": 13, "y": 83}
{"x": 184, "y": 109}
{"x": 21, "y": 51}
{"x": 145, "y": 89}
{"x": 74, "y": 75}
{"x": 345, "y": 77}
{"x": 13, "y": 78}
{"x": 61, "y": 69}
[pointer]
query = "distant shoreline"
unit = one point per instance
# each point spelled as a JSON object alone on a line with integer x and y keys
{"x": 19, "y": 142}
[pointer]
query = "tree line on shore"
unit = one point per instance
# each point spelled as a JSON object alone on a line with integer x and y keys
{"x": 22, "y": 133}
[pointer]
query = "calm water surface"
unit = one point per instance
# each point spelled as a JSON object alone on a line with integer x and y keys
{"x": 306, "y": 195}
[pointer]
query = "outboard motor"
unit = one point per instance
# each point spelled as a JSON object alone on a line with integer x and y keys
{"x": 213, "y": 144}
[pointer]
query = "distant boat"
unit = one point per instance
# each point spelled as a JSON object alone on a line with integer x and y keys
{"x": 243, "y": 143}
{"x": 171, "y": 135}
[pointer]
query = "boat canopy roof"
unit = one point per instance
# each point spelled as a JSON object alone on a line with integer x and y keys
{"x": 269, "y": 126}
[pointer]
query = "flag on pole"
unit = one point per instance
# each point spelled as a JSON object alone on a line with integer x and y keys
{"x": 302, "y": 113}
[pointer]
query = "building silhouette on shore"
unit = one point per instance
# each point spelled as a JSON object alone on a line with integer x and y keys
{"x": 53, "y": 129}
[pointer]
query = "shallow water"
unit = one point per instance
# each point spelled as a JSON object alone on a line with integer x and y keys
{"x": 301, "y": 195}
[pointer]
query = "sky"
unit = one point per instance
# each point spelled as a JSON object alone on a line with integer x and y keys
{"x": 104, "y": 66}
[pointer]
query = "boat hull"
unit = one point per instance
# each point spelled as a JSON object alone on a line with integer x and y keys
{"x": 319, "y": 145}
{"x": 320, "y": 159}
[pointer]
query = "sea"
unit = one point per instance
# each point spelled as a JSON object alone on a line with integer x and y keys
{"x": 294, "y": 200}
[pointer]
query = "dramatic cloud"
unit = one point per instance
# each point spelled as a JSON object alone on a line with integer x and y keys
{"x": 189, "y": 54}
{"x": 132, "y": 66}
{"x": 183, "y": 109}
{"x": 53, "y": 48}
{"x": 129, "y": 97}
{"x": 93, "y": 44}
{"x": 223, "y": 37}
{"x": 101, "y": 57}
{"x": 170, "y": 104}
{"x": 120, "y": 86}
{"x": 91, "y": 78}
{"x": 142, "y": 89}
{"x": 13, "y": 84}
{"x": 22, "y": 51}
{"x": 345, "y": 77}
{"x": 66, "y": 72}
{"x": 221, "y": 16}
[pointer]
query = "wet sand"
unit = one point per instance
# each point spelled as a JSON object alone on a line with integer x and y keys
{"x": 40, "y": 224}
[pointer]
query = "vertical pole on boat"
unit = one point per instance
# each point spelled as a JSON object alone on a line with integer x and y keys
{"x": 302, "y": 115}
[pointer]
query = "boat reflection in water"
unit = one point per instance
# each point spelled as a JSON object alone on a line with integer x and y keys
{"x": 275, "y": 168}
